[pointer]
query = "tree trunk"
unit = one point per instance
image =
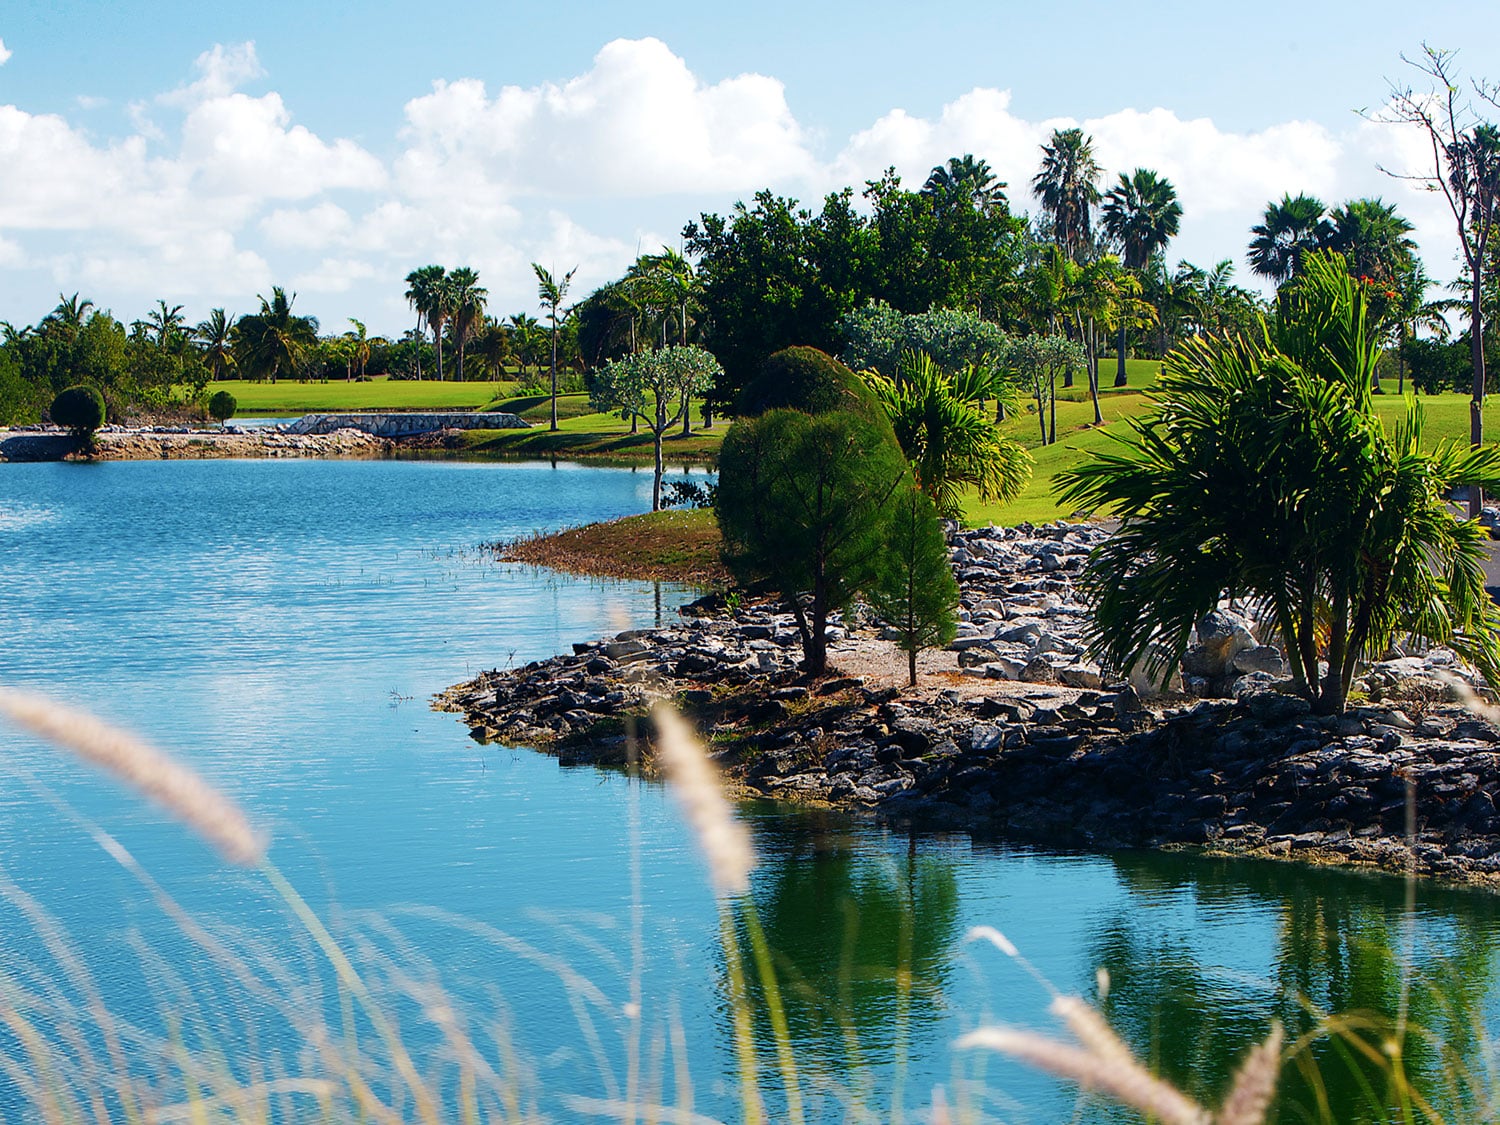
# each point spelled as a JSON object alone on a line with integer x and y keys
{"x": 554, "y": 374}
{"x": 1476, "y": 401}
{"x": 911, "y": 667}
{"x": 437, "y": 346}
{"x": 687, "y": 414}
{"x": 656, "y": 479}
{"x": 1094, "y": 372}
{"x": 1052, "y": 408}
{"x": 1120, "y": 379}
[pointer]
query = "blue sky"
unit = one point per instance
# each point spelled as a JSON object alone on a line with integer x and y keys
{"x": 202, "y": 152}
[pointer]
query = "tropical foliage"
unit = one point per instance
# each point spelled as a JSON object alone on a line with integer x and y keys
{"x": 1263, "y": 473}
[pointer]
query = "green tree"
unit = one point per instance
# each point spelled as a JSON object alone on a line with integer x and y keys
{"x": 216, "y": 337}
{"x": 274, "y": 341}
{"x": 964, "y": 182}
{"x": 803, "y": 503}
{"x": 552, "y": 292}
{"x": 359, "y": 339}
{"x": 427, "y": 293}
{"x": 940, "y": 424}
{"x": 1037, "y": 362}
{"x": 1290, "y": 230}
{"x": 915, "y": 591}
{"x": 1339, "y": 530}
{"x": 221, "y": 406}
{"x": 1141, "y": 214}
{"x": 1067, "y": 184}
{"x": 81, "y": 410}
{"x": 877, "y": 336}
{"x": 656, "y": 387}
{"x": 466, "y": 300}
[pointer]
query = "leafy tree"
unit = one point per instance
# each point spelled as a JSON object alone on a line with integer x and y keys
{"x": 359, "y": 341}
{"x": 1291, "y": 229}
{"x": 1339, "y": 530}
{"x": 877, "y": 336}
{"x": 70, "y": 315}
{"x": 655, "y": 387}
{"x": 552, "y": 292}
{"x": 915, "y": 591}
{"x": 20, "y": 399}
{"x": 221, "y": 406}
{"x": 940, "y": 424}
{"x": 804, "y": 501}
{"x": 1067, "y": 184}
{"x": 1038, "y": 361}
{"x": 81, "y": 410}
{"x": 274, "y": 341}
{"x": 808, "y": 380}
{"x": 1141, "y": 214}
{"x": 964, "y": 182}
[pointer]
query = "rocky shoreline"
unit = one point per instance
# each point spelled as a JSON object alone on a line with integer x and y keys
{"x": 1013, "y": 732}
{"x": 164, "y": 443}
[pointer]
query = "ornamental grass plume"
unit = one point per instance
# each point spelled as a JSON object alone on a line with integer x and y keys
{"x": 145, "y": 768}
{"x": 724, "y": 840}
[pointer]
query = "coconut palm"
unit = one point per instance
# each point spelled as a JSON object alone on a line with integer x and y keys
{"x": 552, "y": 292}
{"x": 216, "y": 337}
{"x": 964, "y": 181}
{"x": 1339, "y": 533}
{"x": 1068, "y": 186}
{"x": 465, "y": 299}
{"x": 69, "y": 315}
{"x": 359, "y": 340}
{"x": 425, "y": 292}
{"x": 492, "y": 344}
{"x": 940, "y": 423}
{"x": 1290, "y": 230}
{"x": 273, "y": 341}
{"x": 1141, "y": 214}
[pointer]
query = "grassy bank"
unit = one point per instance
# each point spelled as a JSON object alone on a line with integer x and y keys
{"x": 670, "y": 546}
{"x": 583, "y": 433}
{"x": 288, "y": 397}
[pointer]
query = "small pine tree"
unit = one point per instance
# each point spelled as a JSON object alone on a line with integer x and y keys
{"x": 915, "y": 591}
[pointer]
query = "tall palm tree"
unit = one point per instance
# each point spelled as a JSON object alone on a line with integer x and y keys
{"x": 965, "y": 180}
{"x": 1141, "y": 214}
{"x": 424, "y": 292}
{"x": 466, "y": 299}
{"x": 69, "y": 315}
{"x": 216, "y": 336}
{"x": 552, "y": 292}
{"x": 492, "y": 343}
{"x": 360, "y": 340}
{"x": 1068, "y": 186}
{"x": 274, "y": 341}
{"x": 164, "y": 323}
{"x": 1290, "y": 230}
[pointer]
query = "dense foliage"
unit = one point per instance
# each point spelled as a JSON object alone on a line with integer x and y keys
{"x": 80, "y": 409}
{"x": 1264, "y": 473}
{"x": 915, "y": 591}
{"x": 808, "y": 380}
{"x": 221, "y": 406}
{"x": 877, "y": 336}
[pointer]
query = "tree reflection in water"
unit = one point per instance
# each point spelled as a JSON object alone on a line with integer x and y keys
{"x": 1338, "y": 947}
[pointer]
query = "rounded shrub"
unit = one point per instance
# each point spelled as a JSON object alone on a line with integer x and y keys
{"x": 807, "y": 380}
{"x": 80, "y": 409}
{"x": 221, "y": 407}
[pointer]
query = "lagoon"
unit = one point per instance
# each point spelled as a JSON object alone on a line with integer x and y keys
{"x": 282, "y": 625}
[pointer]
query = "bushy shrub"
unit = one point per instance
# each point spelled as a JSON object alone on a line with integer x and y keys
{"x": 807, "y": 380}
{"x": 222, "y": 406}
{"x": 80, "y": 409}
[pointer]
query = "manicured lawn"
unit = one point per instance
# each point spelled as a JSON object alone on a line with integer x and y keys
{"x": 288, "y": 397}
{"x": 582, "y": 433}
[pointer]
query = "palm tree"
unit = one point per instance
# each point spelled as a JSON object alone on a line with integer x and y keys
{"x": 69, "y": 315}
{"x": 940, "y": 423}
{"x": 164, "y": 323}
{"x": 274, "y": 341}
{"x": 1289, "y": 231}
{"x": 1340, "y": 531}
{"x": 493, "y": 346}
{"x": 1141, "y": 214}
{"x": 466, "y": 300}
{"x": 524, "y": 333}
{"x": 216, "y": 335}
{"x": 361, "y": 341}
{"x": 1068, "y": 186}
{"x": 552, "y": 293}
{"x": 965, "y": 181}
{"x": 424, "y": 292}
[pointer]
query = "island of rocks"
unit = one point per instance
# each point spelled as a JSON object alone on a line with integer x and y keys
{"x": 1015, "y": 732}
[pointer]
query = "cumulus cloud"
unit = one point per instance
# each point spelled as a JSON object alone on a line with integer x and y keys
{"x": 5, "y": 53}
{"x": 218, "y": 191}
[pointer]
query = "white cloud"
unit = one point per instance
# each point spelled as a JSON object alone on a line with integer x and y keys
{"x": 5, "y": 53}
{"x": 221, "y": 70}
{"x": 311, "y": 228}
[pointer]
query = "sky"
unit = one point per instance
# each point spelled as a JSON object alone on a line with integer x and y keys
{"x": 202, "y": 153}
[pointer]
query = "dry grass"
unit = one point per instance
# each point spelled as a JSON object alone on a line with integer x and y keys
{"x": 668, "y": 546}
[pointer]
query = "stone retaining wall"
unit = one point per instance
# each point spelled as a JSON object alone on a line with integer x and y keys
{"x": 404, "y": 425}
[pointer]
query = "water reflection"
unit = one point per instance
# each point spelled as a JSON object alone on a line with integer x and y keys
{"x": 1337, "y": 944}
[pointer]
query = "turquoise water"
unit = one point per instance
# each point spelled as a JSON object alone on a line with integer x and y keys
{"x": 282, "y": 624}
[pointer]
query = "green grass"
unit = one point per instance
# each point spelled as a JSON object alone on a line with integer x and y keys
{"x": 287, "y": 397}
{"x": 1447, "y": 418}
{"x": 672, "y": 545}
{"x": 583, "y": 433}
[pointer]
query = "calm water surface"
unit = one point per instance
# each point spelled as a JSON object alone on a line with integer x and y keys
{"x": 283, "y": 624}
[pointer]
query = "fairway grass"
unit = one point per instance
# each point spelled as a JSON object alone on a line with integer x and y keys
{"x": 288, "y": 397}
